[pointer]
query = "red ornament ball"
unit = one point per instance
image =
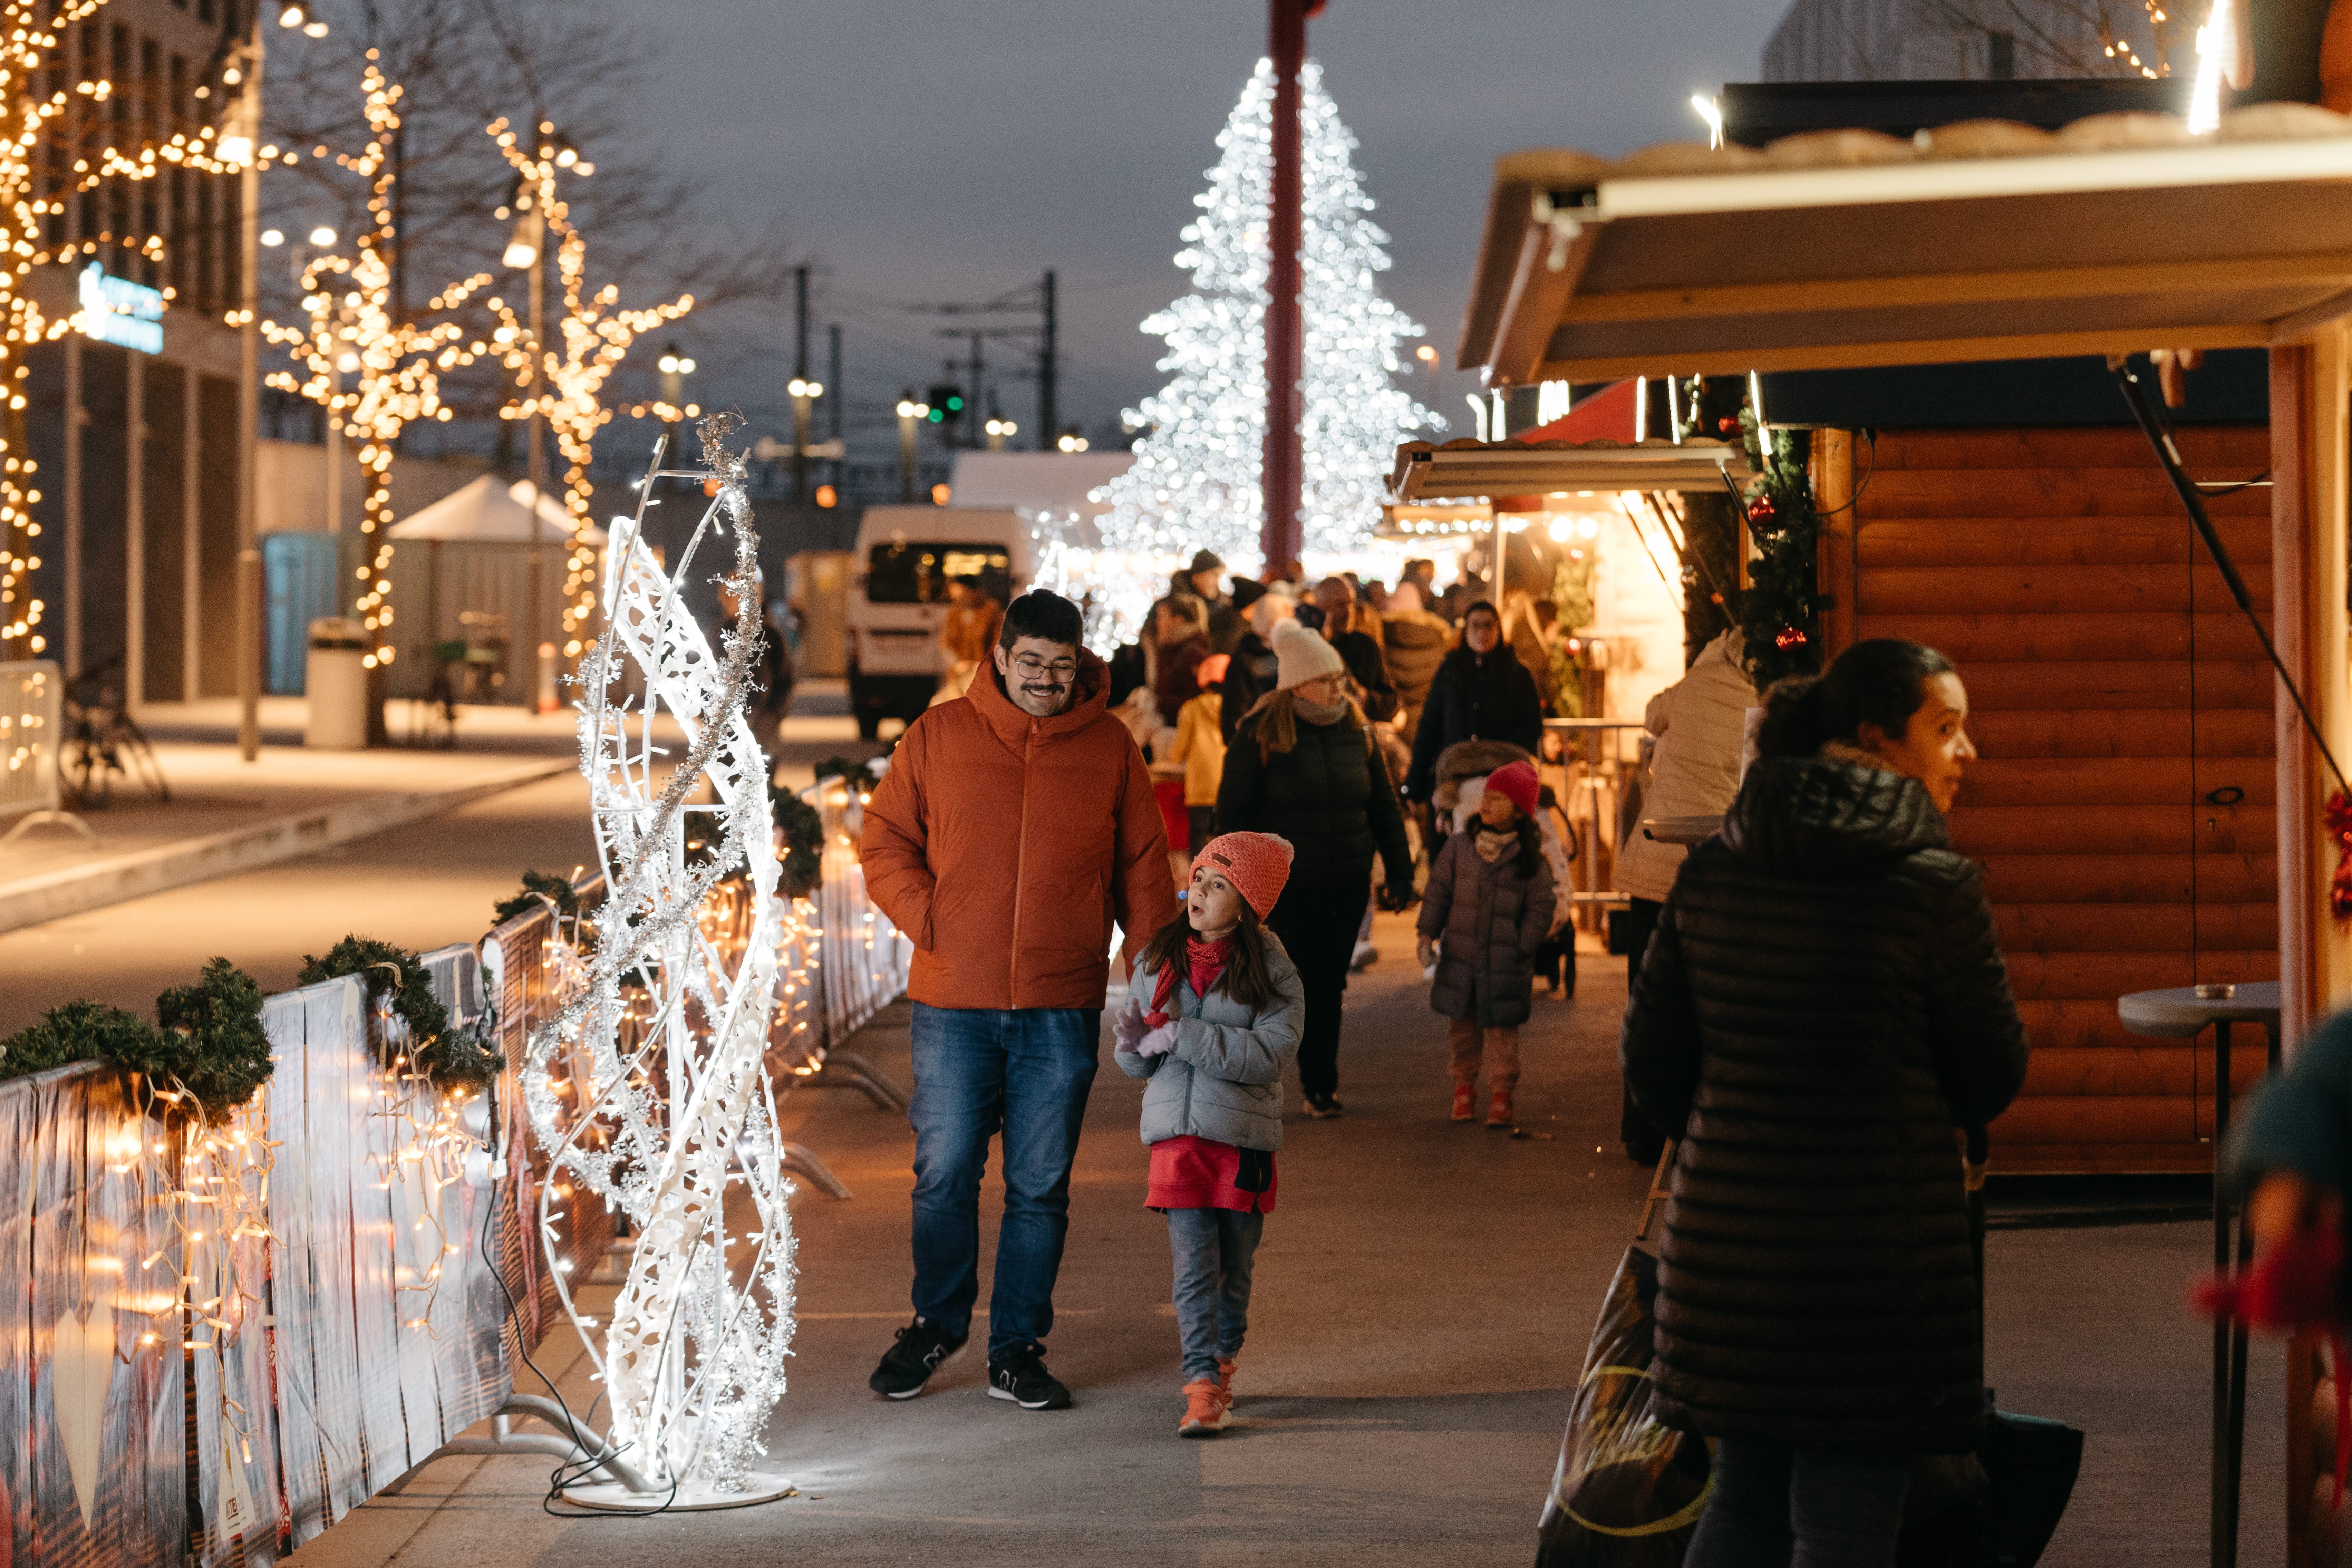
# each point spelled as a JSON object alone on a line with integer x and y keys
{"x": 1789, "y": 637}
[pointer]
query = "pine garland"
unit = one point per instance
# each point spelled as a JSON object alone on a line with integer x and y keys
{"x": 210, "y": 1040}
{"x": 558, "y": 891}
{"x": 386, "y": 968}
{"x": 804, "y": 830}
{"x": 210, "y": 1044}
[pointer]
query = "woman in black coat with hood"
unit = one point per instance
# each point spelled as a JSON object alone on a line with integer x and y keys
{"x": 1822, "y": 1010}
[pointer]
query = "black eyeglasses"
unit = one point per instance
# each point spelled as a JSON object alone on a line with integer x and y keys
{"x": 1033, "y": 668}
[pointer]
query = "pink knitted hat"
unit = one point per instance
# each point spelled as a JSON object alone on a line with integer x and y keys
{"x": 1256, "y": 864}
{"x": 1515, "y": 781}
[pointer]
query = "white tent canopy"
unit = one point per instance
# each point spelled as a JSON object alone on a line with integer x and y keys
{"x": 488, "y": 512}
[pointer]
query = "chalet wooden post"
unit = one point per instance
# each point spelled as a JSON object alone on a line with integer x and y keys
{"x": 2309, "y": 410}
{"x": 1834, "y": 565}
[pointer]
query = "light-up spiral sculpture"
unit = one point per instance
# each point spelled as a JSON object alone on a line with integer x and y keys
{"x": 677, "y": 1125}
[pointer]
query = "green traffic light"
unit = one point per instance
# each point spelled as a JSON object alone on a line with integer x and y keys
{"x": 955, "y": 404}
{"x": 937, "y": 415}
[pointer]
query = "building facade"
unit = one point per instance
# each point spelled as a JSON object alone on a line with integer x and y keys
{"x": 1974, "y": 40}
{"x": 137, "y": 439}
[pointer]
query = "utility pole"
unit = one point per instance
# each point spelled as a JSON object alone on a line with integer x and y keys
{"x": 832, "y": 410}
{"x": 1048, "y": 412}
{"x": 801, "y": 410}
{"x": 972, "y": 401}
{"x": 1285, "y": 360}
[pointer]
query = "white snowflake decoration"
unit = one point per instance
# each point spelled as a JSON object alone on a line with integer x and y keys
{"x": 683, "y": 1121}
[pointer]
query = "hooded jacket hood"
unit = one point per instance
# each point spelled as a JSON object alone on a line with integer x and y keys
{"x": 1090, "y": 699}
{"x": 1829, "y": 816}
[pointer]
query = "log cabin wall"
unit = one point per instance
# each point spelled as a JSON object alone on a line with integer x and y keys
{"x": 2123, "y": 809}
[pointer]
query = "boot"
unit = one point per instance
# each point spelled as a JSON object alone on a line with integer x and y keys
{"x": 1465, "y": 1102}
{"x": 1204, "y": 1409}
{"x": 1498, "y": 1110}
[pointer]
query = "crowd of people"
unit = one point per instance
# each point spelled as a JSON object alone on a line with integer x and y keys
{"x": 1819, "y": 1013}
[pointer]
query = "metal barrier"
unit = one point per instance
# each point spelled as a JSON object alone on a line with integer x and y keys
{"x": 32, "y": 730}
{"x": 375, "y": 1277}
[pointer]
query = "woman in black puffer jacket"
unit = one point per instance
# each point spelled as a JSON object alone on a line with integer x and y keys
{"x": 1822, "y": 1009}
{"x": 1302, "y": 767}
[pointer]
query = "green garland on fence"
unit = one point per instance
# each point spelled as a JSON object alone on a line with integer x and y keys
{"x": 559, "y": 891}
{"x": 859, "y": 776}
{"x": 803, "y": 831}
{"x": 210, "y": 1043}
{"x": 386, "y": 967}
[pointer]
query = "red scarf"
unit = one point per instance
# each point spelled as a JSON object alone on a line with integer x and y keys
{"x": 1204, "y": 962}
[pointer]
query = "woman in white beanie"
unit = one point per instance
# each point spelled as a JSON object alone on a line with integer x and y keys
{"x": 1302, "y": 766}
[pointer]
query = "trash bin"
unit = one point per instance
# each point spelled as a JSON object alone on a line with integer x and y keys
{"x": 335, "y": 676}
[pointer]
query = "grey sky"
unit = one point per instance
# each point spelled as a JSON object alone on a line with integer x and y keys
{"x": 934, "y": 150}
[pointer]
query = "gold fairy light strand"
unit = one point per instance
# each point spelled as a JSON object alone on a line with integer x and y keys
{"x": 396, "y": 365}
{"x": 30, "y": 37}
{"x": 595, "y": 336}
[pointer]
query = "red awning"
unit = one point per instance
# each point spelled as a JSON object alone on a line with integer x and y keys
{"x": 1606, "y": 415}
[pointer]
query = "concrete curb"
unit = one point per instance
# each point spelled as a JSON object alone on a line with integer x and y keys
{"x": 71, "y": 889}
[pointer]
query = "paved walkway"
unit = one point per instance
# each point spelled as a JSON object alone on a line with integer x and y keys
{"x": 1424, "y": 1293}
{"x": 427, "y": 879}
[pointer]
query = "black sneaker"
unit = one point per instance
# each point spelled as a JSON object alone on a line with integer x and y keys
{"x": 1324, "y": 1107}
{"x": 1021, "y": 1378}
{"x": 922, "y": 1349}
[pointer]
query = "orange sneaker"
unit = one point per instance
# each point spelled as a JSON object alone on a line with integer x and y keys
{"x": 1499, "y": 1111}
{"x": 1465, "y": 1102}
{"x": 1225, "y": 1380}
{"x": 1204, "y": 1409}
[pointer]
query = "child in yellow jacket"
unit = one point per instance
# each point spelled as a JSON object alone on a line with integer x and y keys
{"x": 1200, "y": 747}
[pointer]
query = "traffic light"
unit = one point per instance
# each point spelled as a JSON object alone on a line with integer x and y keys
{"x": 947, "y": 404}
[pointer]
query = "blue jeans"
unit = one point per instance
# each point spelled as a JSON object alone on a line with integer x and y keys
{"x": 1780, "y": 1507}
{"x": 1215, "y": 1251}
{"x": 979, "y": 1072}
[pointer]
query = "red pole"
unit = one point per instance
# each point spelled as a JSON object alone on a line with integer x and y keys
{"x": 1285, "y": 360}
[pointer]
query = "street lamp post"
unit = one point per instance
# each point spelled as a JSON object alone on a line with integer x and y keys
{"x": 998, "y": 429}
{"x": 675, "y": 368}
{"x": 804, "y": 394}
{"x": 912, "y": 415}
{"x": 244, "y": 136}
{"x": 528, "y": 249}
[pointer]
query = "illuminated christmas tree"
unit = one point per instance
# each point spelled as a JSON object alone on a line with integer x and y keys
{"x": 1196, "y": 480}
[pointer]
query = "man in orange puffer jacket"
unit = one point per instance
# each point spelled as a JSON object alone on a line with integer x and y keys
{"x": 1016, "y": 827}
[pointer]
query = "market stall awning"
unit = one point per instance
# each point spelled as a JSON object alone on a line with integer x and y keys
{"x": 486, "y": 512}
{"x": 2121, "y": 233}
{"x": 1483, "y": 469}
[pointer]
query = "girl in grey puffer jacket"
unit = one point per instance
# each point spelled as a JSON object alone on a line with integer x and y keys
{"x": 1220, "y": 1027}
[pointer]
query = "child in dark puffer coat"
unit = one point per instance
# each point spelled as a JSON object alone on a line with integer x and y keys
{"x": 1484, "y": 916}
{"x": 1220, "y": 1027}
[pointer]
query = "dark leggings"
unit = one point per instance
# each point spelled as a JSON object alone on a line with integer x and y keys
{"x": 1802, "y": 1508}
{"x": 1318, "y": 927}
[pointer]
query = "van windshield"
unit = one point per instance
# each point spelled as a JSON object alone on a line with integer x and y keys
{"x": 918, "y": 571}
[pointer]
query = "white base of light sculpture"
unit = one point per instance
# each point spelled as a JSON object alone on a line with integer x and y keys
{"x": 611, "y": 1497}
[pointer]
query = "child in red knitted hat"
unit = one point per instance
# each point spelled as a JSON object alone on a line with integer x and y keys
{"x": 1486, "y": 912}
{"x": 1219, "y": 1028}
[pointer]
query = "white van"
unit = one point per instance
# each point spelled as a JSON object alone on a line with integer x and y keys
{"x": 906, "y": 557}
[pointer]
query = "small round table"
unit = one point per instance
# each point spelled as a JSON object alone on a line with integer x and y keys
{"x": 2179, "y": 1012}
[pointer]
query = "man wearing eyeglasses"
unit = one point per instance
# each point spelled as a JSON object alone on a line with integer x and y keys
{"x": 1016, "y": 827}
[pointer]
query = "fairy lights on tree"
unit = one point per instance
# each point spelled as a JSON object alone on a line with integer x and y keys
{"x": 595, "y": 337}
{"x": 395, "y": 366}
{"x": 1196, "y": 478}
{"x": 31, "y": 206}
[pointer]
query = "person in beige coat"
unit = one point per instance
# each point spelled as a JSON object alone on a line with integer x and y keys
{"x": 1700, "y": 722}
{"x": 1416, "y": 643}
